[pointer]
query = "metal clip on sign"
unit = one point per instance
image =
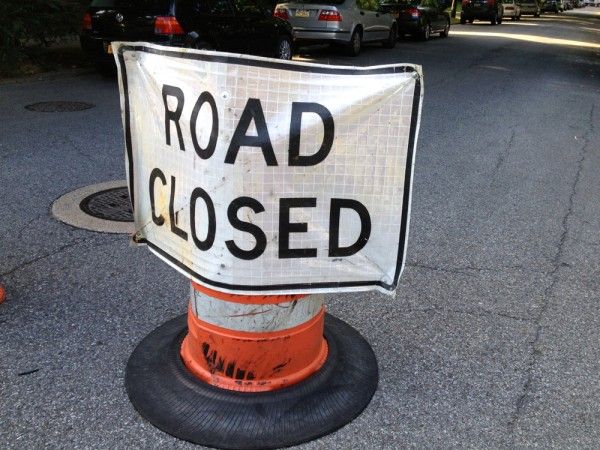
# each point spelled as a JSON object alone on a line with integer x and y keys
{"x": 257, "y": 362}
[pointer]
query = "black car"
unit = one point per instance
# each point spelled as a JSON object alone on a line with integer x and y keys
{"x": 241, "y": 26}
{"x": 419, "y": 18}
{"x": 491, "y": 10}
{"x": 551, "y": 6}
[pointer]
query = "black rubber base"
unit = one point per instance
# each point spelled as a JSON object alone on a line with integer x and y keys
{"x": 168, "y": 396}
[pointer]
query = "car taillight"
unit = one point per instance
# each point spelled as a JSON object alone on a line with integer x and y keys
{"x": 167, "y": 25}
{"x": 329, "y": 15}
{"x": 465, "y": 2}
{"x": 86, "y": 22}
{"x": 414, "y": 12}
{"x": 281, "y": 13}
{"x": 490, "y": 3}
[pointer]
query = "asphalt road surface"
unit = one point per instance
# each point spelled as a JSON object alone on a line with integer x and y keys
{"x": 493, "y": 337}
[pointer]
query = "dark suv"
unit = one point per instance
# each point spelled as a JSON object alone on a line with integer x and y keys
{"x": 419, "y": 18}
{"x": 241, "y": 26}
{"x": 491, "y": 10}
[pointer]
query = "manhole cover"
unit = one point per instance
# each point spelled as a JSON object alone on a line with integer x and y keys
{"x": 102, "y": 207}
{"x": 60, "y": 106}
{"x": 109, "y": 204}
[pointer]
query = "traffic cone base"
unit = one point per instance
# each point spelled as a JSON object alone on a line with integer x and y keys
{"x": 278, "y": 358}
{"x": 173, "y": 396}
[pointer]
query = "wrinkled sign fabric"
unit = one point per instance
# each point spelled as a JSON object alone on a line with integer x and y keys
{"x": 257, "y": 176}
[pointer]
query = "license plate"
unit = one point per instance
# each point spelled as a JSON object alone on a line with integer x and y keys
{"x": 302, "y": 13}
{"x": 108, "y": 48}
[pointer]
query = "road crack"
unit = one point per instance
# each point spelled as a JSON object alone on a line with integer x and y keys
{"x": 557, "y": 265}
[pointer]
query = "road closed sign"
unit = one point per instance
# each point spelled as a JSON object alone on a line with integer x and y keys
{"x": 257, "y": 176}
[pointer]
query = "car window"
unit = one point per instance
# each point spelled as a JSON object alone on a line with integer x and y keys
{"x": 370, "y": 5}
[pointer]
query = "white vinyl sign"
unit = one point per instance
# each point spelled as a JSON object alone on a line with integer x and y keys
{"x": 258, "y": 176}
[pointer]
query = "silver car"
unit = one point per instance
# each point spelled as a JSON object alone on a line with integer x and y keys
{"x": 346, "y": 22}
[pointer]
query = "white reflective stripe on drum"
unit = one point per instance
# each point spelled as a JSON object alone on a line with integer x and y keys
{"x": 255, "y": 318}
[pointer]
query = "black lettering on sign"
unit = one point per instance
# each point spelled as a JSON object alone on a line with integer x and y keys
{"x": 334, "y": 227}
{"x": 299, "y": 108}
{"x": 173, "y": 116}
{"x": 172, "y": 217}
{"x": 207, "y": 152}
{"x": 248, "y": 227}
{"x": 252, "y": 111}
{"x": 285, "y": 227}
{"x": 212, "y": 221}
{"x": 156, "y": 173}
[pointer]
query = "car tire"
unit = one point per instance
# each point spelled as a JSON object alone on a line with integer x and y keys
{"x": 463, "y": 20}
{"x": 536, "y": 15}
{"x": 390, "y": 42}
{"x": 494, "y": 19}
{"x": 355, "y": 45}
{"x": 446, "y": 30}
{"x": 425, "y": 33}
{"x": 106, "y": 69}
{"x": 498, "y": 20}
{"x": 284, "y": 49}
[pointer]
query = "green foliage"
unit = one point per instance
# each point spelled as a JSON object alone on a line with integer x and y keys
{"x": 371, "y": 5}
{"x": 24, "y": 23}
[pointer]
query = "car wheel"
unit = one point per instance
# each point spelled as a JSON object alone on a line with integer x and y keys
{"x": 446, "y": 31}
{"x": 106, "y": 69}
{"x": 519, "y": 17}
{"x": 463, "y": 20}
{"x": 355, "y": 44}
{"x": 390, "y": 42}
{"x": 536, "y": 15}
{"x": 284, "y": 47}
{"x": 426, "y": 32}
{"x": 494, "y": 19}
{"x": 499, "y": 20}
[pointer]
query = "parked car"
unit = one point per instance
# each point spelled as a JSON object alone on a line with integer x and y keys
{"x": 230, "y": 25}
{"x": 349, "y": 23}
{"x": 551, "y": 6}
{"x": 419, "y": 18}
{"x": 511, "y": 9}
{"x": 491, "y": 10}
{"x": 240, "y": 26}
{"x": 530, "y": 7}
